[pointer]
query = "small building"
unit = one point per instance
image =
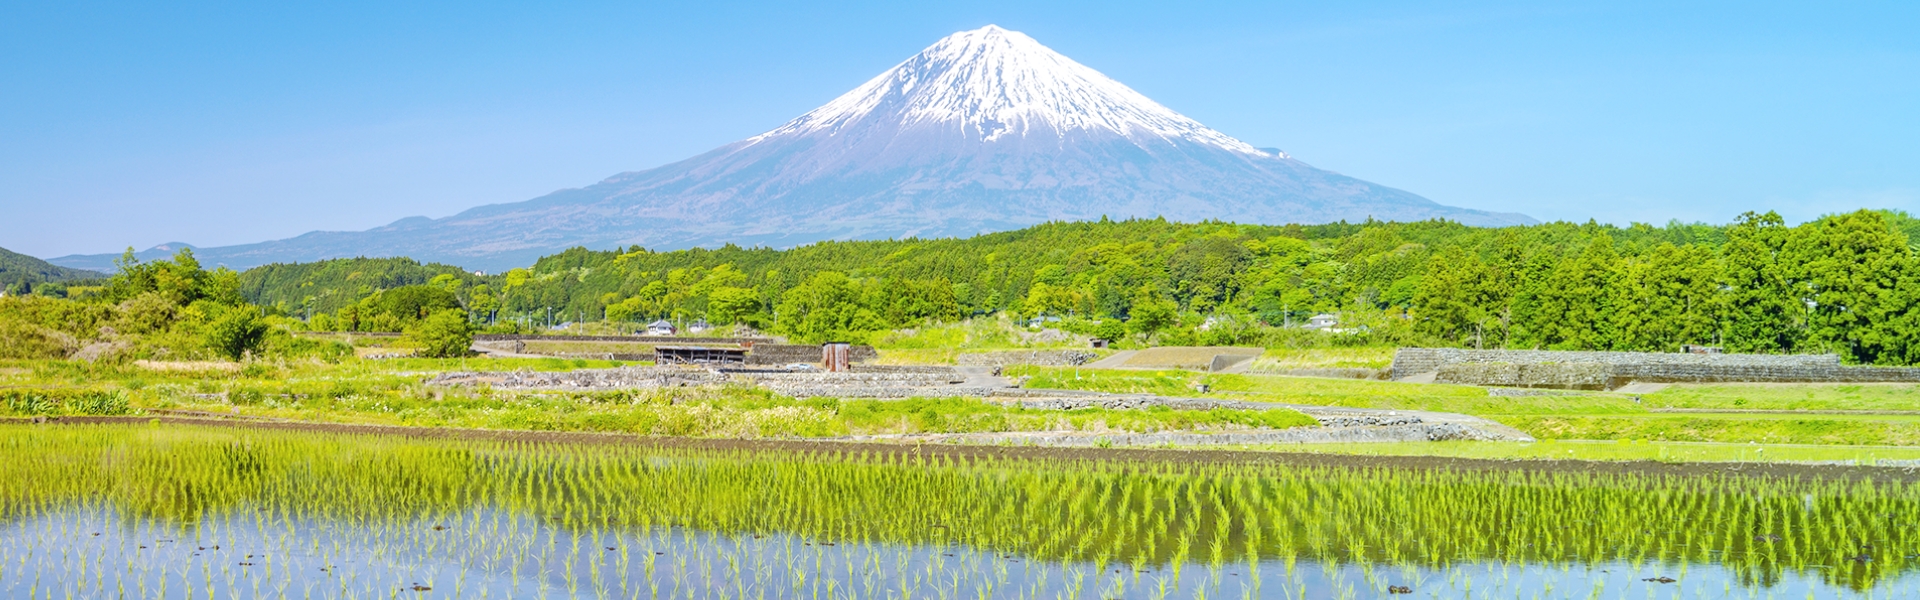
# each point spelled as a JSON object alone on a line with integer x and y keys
{"x": 1323, "y": 321}
{"x": 836, "y": 357}
{"x": 662, "y": 327}
{"x": 1099, "y": 343}
{"x": 1693, "y": 349}
{"x": 698, "y": 326}
{"x": 699, "y": 355}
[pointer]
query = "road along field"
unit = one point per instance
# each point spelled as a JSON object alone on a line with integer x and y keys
{"x": 182, "y": 511}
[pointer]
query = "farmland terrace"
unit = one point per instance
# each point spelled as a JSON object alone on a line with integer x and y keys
{"x": 1337, "y": 424}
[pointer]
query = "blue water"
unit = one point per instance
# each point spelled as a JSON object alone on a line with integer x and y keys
{"x": 97, "y": 552}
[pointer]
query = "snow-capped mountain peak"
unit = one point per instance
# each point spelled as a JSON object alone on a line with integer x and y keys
{"x": 986, "y": 130}
{"x": 991, "y": 83}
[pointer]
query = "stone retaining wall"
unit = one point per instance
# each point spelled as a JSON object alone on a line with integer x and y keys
{"x": 1414, "y": 361}
{"x": 1609, "y": 370}
{"x": 1044, "y": 358}
{"x": 635, "y": 339}
{"x": 785, "y": 354}
{"x": 585, "y": 379}
{"x": 1577, "y": 376}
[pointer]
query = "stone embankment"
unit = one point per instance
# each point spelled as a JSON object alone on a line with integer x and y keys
{"x": 621, "y": 378}
{"x": 1611, "y": 370}
{"x": 1043, "y": 358}
{"x": 862, "y": 382}
{"x": 788, "y": 354}
{"x": 630, "y": 339}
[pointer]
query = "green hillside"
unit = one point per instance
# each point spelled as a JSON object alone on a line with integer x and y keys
{"x": 329, "y": 285}
{"x": 21, "y": 274}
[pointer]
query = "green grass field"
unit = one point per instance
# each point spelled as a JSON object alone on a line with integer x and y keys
{"x": 1798, "y": 397}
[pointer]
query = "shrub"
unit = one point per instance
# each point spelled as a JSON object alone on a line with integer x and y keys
{"x": 20, "y": 339}
{"x": 444, "y": 334}
{"x": 237, "y": 333}
{"x": 280, "y": 344}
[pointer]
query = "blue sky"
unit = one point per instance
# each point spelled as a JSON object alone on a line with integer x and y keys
{"x": 213, "y": 124}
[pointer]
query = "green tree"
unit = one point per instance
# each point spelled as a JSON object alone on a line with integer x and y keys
{"x": 730, "y": 305}
{"x": 237, "y": 333}
{"x": 443, "y": 334}
{"x": 826, "y": 308}
{"x": 1563, "y": 304}
{"x": 1861, "y": 278}
{"x": 1047, "y": 299}
{"x": 1152, "y": 312}
{"x": 1448, "y": 298}
{"x": 1765, "y": 310}
{"x": 1666, "y": 298}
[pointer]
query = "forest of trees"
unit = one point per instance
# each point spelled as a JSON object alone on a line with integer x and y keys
{"x": 21, "y": 275}
{"x": 327, "y": 286}
{"x": 1843, "y": 283}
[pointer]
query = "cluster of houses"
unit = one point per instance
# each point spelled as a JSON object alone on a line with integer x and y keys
{"x": 664, "y": 327}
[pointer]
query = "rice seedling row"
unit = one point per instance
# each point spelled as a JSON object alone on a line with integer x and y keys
{"x": 201, "y": 512}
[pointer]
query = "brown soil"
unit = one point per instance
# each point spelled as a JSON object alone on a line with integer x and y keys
{"x": 1118, "y": 455}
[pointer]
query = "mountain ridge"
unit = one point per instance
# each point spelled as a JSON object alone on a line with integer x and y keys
{"x": 985, "y": 130}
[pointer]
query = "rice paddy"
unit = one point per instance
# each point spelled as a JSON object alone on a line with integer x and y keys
{"x": 212, "y": 512}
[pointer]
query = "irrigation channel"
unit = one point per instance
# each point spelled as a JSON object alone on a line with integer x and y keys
{"x": 182, "y": 511}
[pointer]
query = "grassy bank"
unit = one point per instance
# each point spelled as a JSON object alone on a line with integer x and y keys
{"x": 1790, "y": 396}
{"x": 391, "y": 392}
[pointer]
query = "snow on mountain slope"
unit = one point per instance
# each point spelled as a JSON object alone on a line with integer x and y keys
{"x": 989, "y": 83}
{"x": 985, "y": 130}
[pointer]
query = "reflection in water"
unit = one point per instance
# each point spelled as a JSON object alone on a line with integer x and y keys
{"x": 200, "y": 513}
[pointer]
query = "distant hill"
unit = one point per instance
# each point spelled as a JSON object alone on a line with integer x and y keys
{"x": 104, "y": 262}
{"x": 19, "y": 270}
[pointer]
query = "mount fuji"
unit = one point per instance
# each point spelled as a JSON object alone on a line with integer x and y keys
{"x": 985, "y": 130}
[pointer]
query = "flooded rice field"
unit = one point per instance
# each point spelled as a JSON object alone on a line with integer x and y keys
{"x": 201, "y": 512}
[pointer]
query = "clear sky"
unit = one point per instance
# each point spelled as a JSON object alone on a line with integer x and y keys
{"x": 136, "y": 124}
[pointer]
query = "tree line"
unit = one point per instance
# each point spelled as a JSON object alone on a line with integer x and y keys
{"x": 1841, "y": 284}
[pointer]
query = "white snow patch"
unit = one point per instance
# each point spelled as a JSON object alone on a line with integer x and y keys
{"x": 991, "y": 83}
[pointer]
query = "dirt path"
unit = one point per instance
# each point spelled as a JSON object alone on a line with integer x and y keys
{"x": 1117, "y": 361}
